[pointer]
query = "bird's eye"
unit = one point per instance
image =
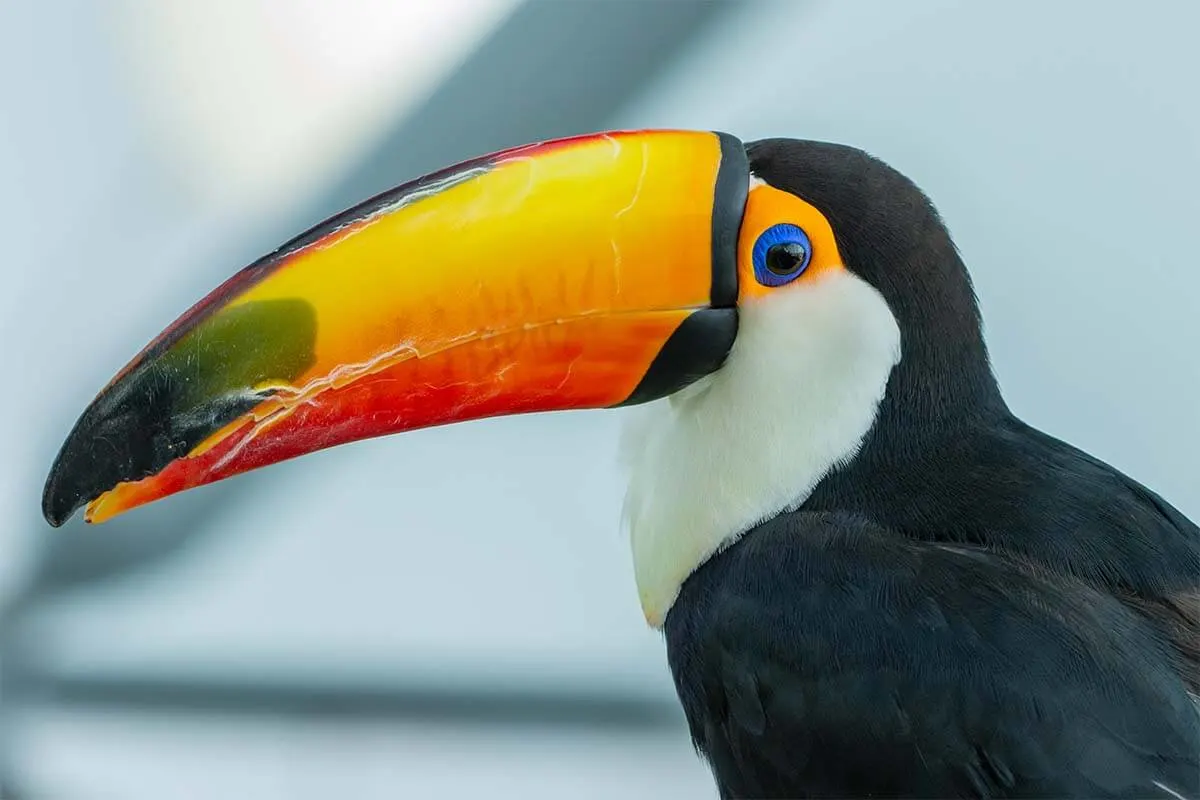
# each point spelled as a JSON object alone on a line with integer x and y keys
{"x": 781, "y": 254}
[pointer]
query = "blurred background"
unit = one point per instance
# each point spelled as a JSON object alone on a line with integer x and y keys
{"x": 452, "y": 613}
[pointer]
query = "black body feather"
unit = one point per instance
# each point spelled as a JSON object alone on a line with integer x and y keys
{"x": 824, "y": 656}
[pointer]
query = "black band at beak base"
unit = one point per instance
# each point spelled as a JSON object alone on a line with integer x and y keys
{"x": 699, "y": 346}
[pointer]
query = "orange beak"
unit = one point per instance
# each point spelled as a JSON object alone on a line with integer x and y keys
{"x": 583, "y": 273}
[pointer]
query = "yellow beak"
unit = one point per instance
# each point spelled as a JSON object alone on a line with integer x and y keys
{"x": 582, "y": 273}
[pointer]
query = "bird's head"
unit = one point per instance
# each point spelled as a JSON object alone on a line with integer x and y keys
{"x": 767, "y": 292}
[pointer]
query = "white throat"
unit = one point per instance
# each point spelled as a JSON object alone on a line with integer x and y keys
{"x": 797, "y": 395}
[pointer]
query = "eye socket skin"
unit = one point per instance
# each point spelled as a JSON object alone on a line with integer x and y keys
{"x": 781, "y": 254}
{"x": 775, "y": 217}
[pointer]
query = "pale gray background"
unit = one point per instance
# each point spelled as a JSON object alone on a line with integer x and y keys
{"x": 1061, "y": 141}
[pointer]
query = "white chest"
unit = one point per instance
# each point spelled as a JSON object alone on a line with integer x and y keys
{"x": 797, "y": 395}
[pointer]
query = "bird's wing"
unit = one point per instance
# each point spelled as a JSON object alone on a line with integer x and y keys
{"x": 1154, "y": 538}
{"x": 1176, "y": 608}
{"x": 823, "y": 655}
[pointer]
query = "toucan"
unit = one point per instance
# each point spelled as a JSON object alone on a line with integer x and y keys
{"x": 872, "y": 578}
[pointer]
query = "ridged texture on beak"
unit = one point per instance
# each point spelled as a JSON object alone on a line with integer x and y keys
{"x": 581, "y": 273}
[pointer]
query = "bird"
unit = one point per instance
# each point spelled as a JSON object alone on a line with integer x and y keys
{"x": 872, "y": 578}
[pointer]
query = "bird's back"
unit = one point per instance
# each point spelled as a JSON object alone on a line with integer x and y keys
{"x": 1008, "y": 487}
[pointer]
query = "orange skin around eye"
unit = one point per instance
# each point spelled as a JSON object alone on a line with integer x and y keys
{"x": 767, "y": 206}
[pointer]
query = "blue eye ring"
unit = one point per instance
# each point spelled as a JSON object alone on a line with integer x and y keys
{"x": 781, "y": 254}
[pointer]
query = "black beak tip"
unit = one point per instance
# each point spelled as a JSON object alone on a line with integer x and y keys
{"x": 76, "y": 476}
{"x": 58, "y": 505}
{"x": 133, "y": 430}
{"x": 116, "y": 439}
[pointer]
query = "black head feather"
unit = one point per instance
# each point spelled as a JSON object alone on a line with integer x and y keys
{"x": 890, "y": 235}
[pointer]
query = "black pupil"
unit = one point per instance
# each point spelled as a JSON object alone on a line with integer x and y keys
{"x": 784, "y": 259}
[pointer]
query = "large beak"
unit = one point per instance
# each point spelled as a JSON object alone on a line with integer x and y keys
{"x": 583, "y": 273}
